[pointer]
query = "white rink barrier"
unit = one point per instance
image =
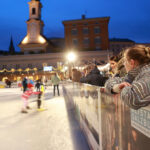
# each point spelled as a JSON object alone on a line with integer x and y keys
{"x": 107, "y": 122}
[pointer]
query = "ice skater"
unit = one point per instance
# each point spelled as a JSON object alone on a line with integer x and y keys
{"x": 55, "y": 81}
{"x": 25, "y": 96}
{"x": 40, "y": 100}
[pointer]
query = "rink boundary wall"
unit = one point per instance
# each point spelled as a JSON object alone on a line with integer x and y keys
{"x": 106, "y": 121}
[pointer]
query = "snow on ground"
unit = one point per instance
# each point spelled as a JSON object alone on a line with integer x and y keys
{"x": 52, "y": 129}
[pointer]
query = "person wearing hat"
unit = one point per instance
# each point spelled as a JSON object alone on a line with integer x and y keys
{"x": 25, "y": 96}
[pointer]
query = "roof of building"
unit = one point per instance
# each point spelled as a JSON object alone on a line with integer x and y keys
{"x": 120, "y": 40}
{"x": 86, "y": 19}
{"x": 57, "y": 41}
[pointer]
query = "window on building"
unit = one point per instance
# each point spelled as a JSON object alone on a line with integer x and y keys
{"x": 86, "y": 24}
{"x": 96, "y": 22}
{"x": 86, "y": 42}
{"x": 73, "y": 25}
{"x": 85, "y": 31}
{"x": 97, "y": 30}
{"x": 75, "y": 42}
{"x": 74, "y": 31}
{"x": 33, "y": 11}
{"x": 97, "y": 40}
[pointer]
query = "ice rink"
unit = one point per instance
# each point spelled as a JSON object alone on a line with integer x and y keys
{"x": 52, "y": 129}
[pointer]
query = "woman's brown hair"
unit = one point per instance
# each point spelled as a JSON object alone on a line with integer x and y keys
{"x": 140, "y": 53}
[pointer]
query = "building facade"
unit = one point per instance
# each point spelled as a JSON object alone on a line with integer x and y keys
{"x": 25, "y": 65}
{"x": 87, "y": 34}
{"x": 117, "y": 45}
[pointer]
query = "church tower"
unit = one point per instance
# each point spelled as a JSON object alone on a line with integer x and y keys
{"x": 11, "y": 47}
{"x": 34, "y": 41}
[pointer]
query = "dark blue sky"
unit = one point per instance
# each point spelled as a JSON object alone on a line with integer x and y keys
{"x": 128, "y": 18}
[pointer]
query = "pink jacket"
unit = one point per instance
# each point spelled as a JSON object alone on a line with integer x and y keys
{"x": 28, "y": 93}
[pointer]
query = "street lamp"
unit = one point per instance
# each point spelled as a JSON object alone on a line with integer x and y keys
{"x": 71, "y": 57}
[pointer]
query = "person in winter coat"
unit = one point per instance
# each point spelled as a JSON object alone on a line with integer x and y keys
{"x": 24, "y": 84}
{"x": 117, "y": 68}
{"x": 134, "y": 88}
{"x": 37, "y": 85}
{"x": 55, "y": 81}
{"x": 93, "y": 78}
{"x": 8, "y": 83}
{"x": 120, "y": 69}
{"x": 76, "y": 75}
{"x": 40, "y": 100}
{"x": 113, "y": 65}
{"x": 25, "y": 96}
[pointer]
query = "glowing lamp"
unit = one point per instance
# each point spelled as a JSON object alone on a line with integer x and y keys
{"x": 25, "y": 40}
{"x": 41, "y": 39}
{"x": 71, "y": 57}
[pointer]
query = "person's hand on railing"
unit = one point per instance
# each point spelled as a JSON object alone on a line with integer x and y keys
{"x": 102, "y": 90}
{"x": 118, "y": 87}
{"x": 124, "y": 84}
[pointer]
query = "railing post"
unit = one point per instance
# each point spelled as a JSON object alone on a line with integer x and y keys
{"x": 99, "y": 114}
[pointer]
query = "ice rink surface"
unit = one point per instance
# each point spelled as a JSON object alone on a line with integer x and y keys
{"x": 52, "y": 129}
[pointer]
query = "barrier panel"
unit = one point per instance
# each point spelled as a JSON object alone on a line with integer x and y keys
{"x": 85, "y": 103}
{"x": 2, "y": 84}
{"x": 107, "y": 122}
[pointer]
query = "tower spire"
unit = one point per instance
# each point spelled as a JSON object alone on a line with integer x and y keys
{"x": 11, "y": 46}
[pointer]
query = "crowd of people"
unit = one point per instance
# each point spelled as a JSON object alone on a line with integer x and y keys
{"x": 128, "y": 74}
{"x": 134, "y": 87}
{"x": 28, "y": 86}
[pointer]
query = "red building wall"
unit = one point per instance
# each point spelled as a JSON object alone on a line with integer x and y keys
{"x": 91, "y": 23}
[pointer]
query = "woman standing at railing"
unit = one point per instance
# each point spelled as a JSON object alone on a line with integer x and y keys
{"x": 134, "y": 88}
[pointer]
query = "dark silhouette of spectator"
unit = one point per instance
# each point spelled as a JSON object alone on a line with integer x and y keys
{"x": 37, "y": 85}
{"x": 94, "y": 78}
{"x": 24, "y": 84}
{"x": 76, "y": 75}
{"x": 8, "y": 83}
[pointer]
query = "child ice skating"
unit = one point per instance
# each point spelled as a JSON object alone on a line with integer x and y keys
{"x": 40, "y": 101}
{"x": 25, "y": 96}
